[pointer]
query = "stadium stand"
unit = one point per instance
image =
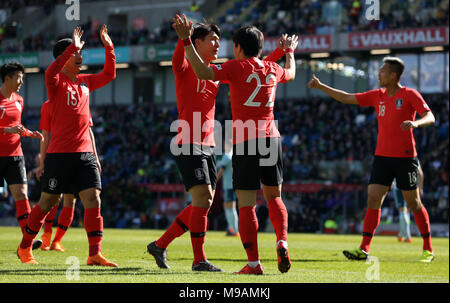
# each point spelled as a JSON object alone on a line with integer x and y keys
{"x": 272, "y": 17}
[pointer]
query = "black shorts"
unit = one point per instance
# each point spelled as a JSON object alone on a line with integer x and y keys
{"x": 70, "y": 173}
{"x": 257, "y": 161}
{"x": 12, "y": 169}
{"x": 197, "y": 167}
{"x": 404, "y": 170}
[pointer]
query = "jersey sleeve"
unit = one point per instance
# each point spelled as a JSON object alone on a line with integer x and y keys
{"x": 225, "y": 71}
{"x": 282, "y": 74}
{"x": 418, "y": 103}
{"x": 95, "y": 81}
{"x": 367, "y": 98}
{"x": 179, "y": 61}
{"x": 275, "y": 55}
{"x": 45, "y": 117}
{"x": 52, "y": 72}
{"x": 91, "y": 122}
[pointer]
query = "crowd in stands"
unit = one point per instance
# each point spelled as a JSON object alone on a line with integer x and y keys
{"x": 272, "y": 17}
{"x": 275, "y": 17}
{"x": 133, "y": 143}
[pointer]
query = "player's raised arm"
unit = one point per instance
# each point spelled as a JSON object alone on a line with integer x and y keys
{"x": 109, "y": 69}
{"x": 179, "y": 62}
{"x": 184, "y": 31}
{"x": 336, "y": 94}
{"x": 279, "y": 50}
{"x": 290, "y": 45}
{"x": 52, "y": 72}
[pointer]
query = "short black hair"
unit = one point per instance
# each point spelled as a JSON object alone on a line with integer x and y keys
{"x": 250, "y": 39}
{"x": 201, "y": 30}
{"x": 10, "y": 68}
{"x": 396, "y": 65}
{"x": 60, "y": 46}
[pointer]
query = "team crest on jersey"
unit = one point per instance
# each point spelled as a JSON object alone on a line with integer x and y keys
{"x": 52, "y": 183}
{"x": 398, "y": 103}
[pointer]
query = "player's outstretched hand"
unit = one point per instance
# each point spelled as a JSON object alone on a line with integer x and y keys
{"x": 281, "y": 43}
{"x": 106, "y": 39}
{"x": 182, "y": 26}
{"x": 37, "y": 134}
{"x": 314, "y": 83}
{"x": 407, "y": 125}
{"x": 76, "y": 37}
{"x": 291, "y": 42}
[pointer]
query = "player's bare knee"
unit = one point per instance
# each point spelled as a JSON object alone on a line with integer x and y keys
{"x": 92, "y": 202}
{"x": 414, "y": 205}
{"x": 374, "y": 201}
{"x": 47, "y": 202}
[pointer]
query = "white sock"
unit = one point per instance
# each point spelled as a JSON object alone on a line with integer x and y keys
{"x": 285, "y": 244}
{"x": 253, "y": 264}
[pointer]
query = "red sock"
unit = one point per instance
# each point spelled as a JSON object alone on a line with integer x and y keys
{"x": 248, "y": 230}
{"x": 178, "y": 227}
{"x": 93, "y": 223}
{"x": 371, "y": 222}
{"x": 279, "y": 217}
{"x": 22, "y": 212}
{"x": 34, "y": 224}
{"x": 198, "y": 224}
{"x": 50, "y": 218}
{"x": 64, "y": 222}
{"x": 423, "y": 223}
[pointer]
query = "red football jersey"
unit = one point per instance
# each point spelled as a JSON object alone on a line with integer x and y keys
{"x": 392, "y": 141}
{"x": 10, "y": 116}
{"x": 46, "y": 118}
{"x": 253, "y": 85}
{"x": 196, "y": 101}
{"x": 70, "y": 114}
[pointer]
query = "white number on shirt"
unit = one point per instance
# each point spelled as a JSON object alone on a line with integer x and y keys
{"x": 381, "y": 110}
{"x": 2, "y": 111}
{"x": 71, "y": 99}
{"x": 202, "y": 84}
{"x": 250, "y": 101}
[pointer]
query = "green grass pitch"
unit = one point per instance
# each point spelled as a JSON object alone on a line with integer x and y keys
{"x": 315, "y": 259}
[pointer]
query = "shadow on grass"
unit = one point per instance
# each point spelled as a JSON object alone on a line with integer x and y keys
{"x": 262, "y": 260}
{"x": 135, "y": 271}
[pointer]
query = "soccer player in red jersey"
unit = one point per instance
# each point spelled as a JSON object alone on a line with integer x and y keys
{"x": 197, "y": 164}
{"x": 67, "y": 212}
{"x": 70, "y": 164}
{"x": 395, "y": 154}
{"x": 12, "y": 162}
{"x": 253, "y": 128}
